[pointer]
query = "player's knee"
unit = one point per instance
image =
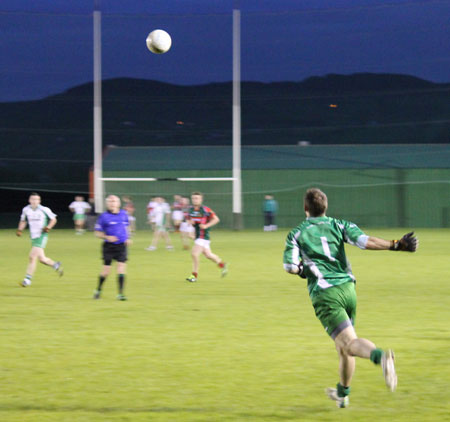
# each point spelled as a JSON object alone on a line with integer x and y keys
{"x": 347, "y": 347}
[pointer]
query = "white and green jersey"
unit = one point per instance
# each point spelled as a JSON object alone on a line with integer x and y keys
{"x": 160, "y": 213}
{"x": 79, "y": 207}
{"x": 37, "y": 219}
{"x": 319, "y": 243}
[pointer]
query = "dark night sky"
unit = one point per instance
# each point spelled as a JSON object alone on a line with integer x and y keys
{"x": 46, "y": 45}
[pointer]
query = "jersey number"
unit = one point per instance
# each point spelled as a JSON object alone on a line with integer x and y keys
{"x": 326, "y": 248}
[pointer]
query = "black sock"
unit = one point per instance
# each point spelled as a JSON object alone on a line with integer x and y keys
{"x": 101, "y": 280}
{"x": 121, "y": 281}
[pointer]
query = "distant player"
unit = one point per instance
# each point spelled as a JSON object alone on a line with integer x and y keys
{"x": 270, "y": 209}
{"x": 112, "y": 226}
{"x": 130, "y": 209}
{"x": 177, "y": 212}
{"x": 161, "y": 218}
{"x": 186, "y": 228}
{"x": 79, "y": 207}
{"x": 202, "y": 218}
{"x": 315, "y": 250}
{"x": 40, "y": 221}
{"x": 150, "y": 213}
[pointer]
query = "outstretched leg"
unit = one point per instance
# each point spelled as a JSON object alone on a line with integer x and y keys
{"x": 213, "y": 257}
{"x": 349, "y": 346}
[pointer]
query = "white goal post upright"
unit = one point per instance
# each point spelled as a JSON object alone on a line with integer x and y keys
{"x": 237, "y": 182}
{"x": 98, "y": 166}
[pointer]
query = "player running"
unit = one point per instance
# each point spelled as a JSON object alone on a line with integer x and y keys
{"x": 161, "y": 216}
{"x": 315, "y": 250}
{"x": 130, "y": 209}
{"x": 150, "y": 212}
{"x": 202, "y": 218}
{"x": 112, "y": 226}
{"x": 186, "y": 229}
{"x": 177, "y": 212}
{"x": 79, "y": 207}
{"x": 40, "y": 221}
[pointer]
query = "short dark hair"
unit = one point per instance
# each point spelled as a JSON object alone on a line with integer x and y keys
{"x": 35, "y": 194}
{"x": 316, "y": 202}
{"x": 196, "y": 193}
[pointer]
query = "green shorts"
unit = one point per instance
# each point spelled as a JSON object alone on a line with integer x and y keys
{"x": 40, "y": 242}
{"x": 336, "y": 307}
{"x": 79, "y": 217}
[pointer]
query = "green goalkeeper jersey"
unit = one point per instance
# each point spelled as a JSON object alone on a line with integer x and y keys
{"x": 319, "y": 243}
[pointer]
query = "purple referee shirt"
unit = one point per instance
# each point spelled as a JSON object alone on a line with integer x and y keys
{"x": 113, "y": 225}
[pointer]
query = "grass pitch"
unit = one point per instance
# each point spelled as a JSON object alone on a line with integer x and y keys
{"x": 244, "y": 348}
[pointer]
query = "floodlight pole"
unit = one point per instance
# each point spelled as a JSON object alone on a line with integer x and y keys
{"x": 237, "y": 182}
{"x": 98, "y": 168}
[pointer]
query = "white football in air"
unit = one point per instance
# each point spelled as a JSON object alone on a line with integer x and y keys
{"x": 159, "y": 41}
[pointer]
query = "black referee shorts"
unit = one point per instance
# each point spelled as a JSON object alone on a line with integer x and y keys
{"x": 114, "y": 251}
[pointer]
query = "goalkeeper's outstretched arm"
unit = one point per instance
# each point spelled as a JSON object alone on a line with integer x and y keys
{"x": 408, "y": 243}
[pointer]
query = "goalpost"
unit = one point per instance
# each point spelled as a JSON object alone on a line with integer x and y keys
{"x": 237, "y": 221}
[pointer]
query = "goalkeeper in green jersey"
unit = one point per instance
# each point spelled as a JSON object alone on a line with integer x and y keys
{"x": 315, "y": 251}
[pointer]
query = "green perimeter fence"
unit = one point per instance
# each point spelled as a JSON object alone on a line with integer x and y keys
{"x": 368, "y": 197}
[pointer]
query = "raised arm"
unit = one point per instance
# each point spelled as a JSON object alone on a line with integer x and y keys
{"x": 408, "y": 243}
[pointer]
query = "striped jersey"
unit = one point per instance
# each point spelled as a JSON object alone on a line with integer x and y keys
{"x": 201, "y": 215}
{"x": 319, "y": 242}
{"x": 37, "y": 219}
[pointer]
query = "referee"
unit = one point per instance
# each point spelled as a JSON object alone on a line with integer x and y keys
{"x": 112, "y": 226}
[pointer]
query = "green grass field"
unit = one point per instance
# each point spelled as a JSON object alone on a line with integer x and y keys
{"x": 244, "y": 348}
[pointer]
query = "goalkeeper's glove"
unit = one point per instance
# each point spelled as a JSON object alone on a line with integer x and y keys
{"x": 408, "y": 243}
{"x": 46, "y": 229}
{"x": 301, "y": 270}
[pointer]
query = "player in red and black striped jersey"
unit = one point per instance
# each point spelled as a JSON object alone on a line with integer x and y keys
{"x": 202, "y": 218}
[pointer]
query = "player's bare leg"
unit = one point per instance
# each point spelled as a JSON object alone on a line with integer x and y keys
{"x": 349, "y": 346}
{"x": 195, "y": 254}
{"x": 185, "y": 239}
{"x": 213, "y": 257}
{"x": 79, "y": 225}
{"x": 167, "y": 240}
{"x": 176, "y": 225}
{"x": 32, "y": 260}
{"x": 43, "y": 259}
{"x": 36, "y": 254}
{"x": 155, "y": 240}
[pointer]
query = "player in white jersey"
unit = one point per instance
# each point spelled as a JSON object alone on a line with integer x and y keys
{"x": 40, "y": 221}
{"x": 177, "y": 212}
{"x": 161, "y": 218}
{"x": 150, "y": 214}
{"x": 79, "y": 207}
{"x": 186, "y": 228}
